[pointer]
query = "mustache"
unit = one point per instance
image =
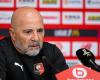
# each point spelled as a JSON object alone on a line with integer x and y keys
{"x": 34, "y": 43}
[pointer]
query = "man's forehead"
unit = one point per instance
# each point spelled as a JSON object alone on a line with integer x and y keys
{"x": 26, "y": 15}
{"x": 32, "y": 28}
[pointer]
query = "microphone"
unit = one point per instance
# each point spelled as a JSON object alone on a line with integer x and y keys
{"x": 45, "y": 60}
{"x": 87, "y": 58}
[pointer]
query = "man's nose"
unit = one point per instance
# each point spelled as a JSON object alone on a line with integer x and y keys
{"x": 35, "y": 36}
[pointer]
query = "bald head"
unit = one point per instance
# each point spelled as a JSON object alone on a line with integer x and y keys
{"x": 23, "y": 14}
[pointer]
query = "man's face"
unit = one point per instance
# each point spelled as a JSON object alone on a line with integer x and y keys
{"x": 28, "y": 37}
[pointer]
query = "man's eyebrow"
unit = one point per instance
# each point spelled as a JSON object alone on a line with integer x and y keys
{"x": 27, "y": 30}
{"x": 40, "y": 28}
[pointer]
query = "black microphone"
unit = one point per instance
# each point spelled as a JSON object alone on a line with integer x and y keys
{"x": 87, "y": 58}
{"x": 45, "y": 60}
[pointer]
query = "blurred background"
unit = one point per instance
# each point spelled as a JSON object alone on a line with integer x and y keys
{"x": 70, "y": 24}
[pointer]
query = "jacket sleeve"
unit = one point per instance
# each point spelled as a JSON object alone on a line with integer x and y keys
{"x": 59, "y": 60}
{"x": 55, "y": 61}
{"x": 2, "y": 65}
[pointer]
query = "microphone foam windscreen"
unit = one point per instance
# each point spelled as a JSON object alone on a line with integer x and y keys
{"x": 84, "y": 55}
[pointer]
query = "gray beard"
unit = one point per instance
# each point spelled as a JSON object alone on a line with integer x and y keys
{"x": 32, "y": 53}
{"x": 27, "y": 51}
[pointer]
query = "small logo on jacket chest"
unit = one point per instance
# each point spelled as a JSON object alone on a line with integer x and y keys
{"x": 19, "y": 65}
{"x": 38, "y": 68}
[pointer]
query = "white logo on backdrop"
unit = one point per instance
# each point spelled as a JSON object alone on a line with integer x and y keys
{"x": 79, "y": 72}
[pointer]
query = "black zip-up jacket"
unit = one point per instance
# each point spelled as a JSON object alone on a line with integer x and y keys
{"x": 15, "y": 66}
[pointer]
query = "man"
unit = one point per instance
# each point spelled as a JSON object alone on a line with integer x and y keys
{"x": 24, "y": 55}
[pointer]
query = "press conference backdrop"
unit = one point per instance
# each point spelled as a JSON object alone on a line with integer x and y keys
{"x": 70, "y": 24}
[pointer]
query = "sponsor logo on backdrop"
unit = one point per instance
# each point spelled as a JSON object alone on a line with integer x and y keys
{"x": 72, "y": 18}
{"x": 21, "y": 3}
{"x": 5, "y": 0}
{"x": 26, "y": 0}
{"x": 49, "y": 3}
{"x": 92, "y": 18}
{"x": 65, "y": 33}
{"x": 91, "y": 45}
{"x": 76, "y": 32}
{"x": 51, "y": 17}
{"x": 6, "y": 3}
{"x": 71, "y": 33}
{"x": 5, "y": 17}
{"x": 79, "y": 72}
{"x": 64, "y": 46}
{"x": 84, "y": 33}
{"x": 72, "y": 3}
{"x": 92, "y": 3}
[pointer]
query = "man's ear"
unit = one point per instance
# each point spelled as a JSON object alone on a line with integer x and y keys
{"x": 12, "y": 33}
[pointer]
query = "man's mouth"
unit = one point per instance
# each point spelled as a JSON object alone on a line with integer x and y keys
{"x": 35, "y": 46}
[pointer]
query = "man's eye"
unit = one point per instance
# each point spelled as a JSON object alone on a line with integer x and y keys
{"x": 28, "y": 32}
{"x": 40, "y": 30}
